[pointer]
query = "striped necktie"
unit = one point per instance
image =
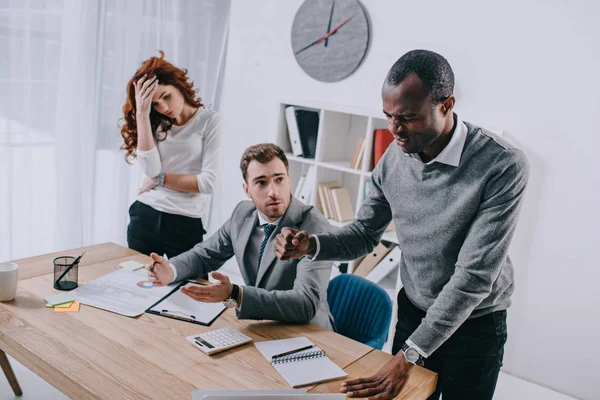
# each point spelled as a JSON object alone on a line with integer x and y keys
{"x": 268, "y": 229}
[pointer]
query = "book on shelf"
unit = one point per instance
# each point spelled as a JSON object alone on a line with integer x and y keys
{"x": 303, "y": 128}
{"x": 335, "y": 201}
{"x": 342, "y": 204}
{"x": 382, "y": 138}
{"x": 324, "y": 197}
{"x": 357, "y": 157}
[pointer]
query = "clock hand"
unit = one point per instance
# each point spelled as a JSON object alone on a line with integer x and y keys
{"x": 330, "y": 18}
{"x": 320, "y": 40}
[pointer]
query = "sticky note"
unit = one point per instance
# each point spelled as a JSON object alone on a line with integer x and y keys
{"x": 63, "y": 305}
{"x": 74, "y": 308}
{"x": 131, "y": 265}
{"x": 59, "y": 298}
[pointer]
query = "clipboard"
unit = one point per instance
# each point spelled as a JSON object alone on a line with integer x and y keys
{"x": 182, "y": 318}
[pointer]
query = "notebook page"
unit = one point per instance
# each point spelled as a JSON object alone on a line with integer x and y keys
{"x": 309, "y": 371}
{"x": 271, "y": 347}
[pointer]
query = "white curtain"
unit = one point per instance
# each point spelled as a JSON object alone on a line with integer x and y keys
{"x": 63, "y": 180}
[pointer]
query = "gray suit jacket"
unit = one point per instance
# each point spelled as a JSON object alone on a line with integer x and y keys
{"x": 290, "y": 291}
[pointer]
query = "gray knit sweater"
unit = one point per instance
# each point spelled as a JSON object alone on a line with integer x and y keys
{"x": 454, "y": 226}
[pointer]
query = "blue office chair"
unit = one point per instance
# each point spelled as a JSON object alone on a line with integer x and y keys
{"x": 362, "y": 310}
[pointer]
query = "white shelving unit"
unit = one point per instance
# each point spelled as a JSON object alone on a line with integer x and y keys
{"x": 338, "y": 132}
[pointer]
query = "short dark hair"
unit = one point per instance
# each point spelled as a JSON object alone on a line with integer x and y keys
{"x": 433, "y": 70}
{"x": 263, "y": 153}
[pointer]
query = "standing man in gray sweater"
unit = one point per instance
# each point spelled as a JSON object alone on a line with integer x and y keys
{"x": 454, "y": 191}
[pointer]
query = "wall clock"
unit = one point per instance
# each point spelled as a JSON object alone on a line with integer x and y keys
{"x": 330, "y": 38}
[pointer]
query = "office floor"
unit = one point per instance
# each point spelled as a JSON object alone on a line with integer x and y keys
{"x": 32, "y": 385}
{"x": 509, "y": 388}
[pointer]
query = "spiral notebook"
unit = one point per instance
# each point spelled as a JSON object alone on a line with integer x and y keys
{"x": 306, "y": 367}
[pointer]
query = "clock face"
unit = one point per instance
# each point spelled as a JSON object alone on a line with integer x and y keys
{"x": 330, "y": 38}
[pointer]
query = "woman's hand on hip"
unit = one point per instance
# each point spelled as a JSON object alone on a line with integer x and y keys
{"x": 149, "y": 184}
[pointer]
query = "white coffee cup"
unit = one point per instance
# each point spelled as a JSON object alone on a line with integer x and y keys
{"x": 9, "y": 276}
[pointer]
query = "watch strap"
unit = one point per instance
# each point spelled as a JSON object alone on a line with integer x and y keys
{"x": 235, "y": 291}
{"x": 420, "y": 361}
{"x": 160, "y": 179}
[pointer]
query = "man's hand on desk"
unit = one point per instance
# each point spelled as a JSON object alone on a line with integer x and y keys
{"x": 211, "y": 293}
{"x": 387, "y": 383}
{"x": 291, "y": 244}
{"x": 162, "y": 274}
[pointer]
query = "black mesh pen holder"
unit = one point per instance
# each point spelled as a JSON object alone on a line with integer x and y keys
{"x": 65, "y": 273}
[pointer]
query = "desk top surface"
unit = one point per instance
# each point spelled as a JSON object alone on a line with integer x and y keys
{"x": 98, "y": 354}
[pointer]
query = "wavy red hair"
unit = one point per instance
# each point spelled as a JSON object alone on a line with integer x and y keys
{"x": 167, "y": 74}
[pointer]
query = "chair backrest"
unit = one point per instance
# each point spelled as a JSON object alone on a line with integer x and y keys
{"x": 361, "y": 309}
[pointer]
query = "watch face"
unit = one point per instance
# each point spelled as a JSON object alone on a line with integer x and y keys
{"x": 412, "y": 355}
{"x": 330, "y": 38}
{"x": 230, "y": 303}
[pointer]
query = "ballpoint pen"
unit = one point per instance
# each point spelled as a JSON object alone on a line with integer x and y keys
{"x": 173, "y": 315}
{"x": 287, "y": 353}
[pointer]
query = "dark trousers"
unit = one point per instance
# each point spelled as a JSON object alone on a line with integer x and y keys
{"x": 152, "y": 231}
{"x": 469, "y": 362}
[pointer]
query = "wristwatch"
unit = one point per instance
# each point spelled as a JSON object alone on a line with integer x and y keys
{"x": 232, "y": 300}
{"x": 412, "y": 355}
{"x": 160, "y": 179}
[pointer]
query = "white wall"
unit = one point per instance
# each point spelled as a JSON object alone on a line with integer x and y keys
{"x": 528, "y": 67}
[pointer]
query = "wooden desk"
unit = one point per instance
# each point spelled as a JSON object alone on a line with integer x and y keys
{"x": 95, "y": 354}
{"x": 420, "y": 384}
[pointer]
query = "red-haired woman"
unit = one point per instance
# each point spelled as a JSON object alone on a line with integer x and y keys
{"x": 176, "y": 140}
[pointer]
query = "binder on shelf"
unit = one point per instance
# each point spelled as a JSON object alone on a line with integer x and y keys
{"x": 342, "y": 204}
{"x": 303, "y": 128}
{"x": 308, "y": 186}
{"x": 298, "y": 190}
{"x": 293, "y": 133}
{"x": 371, "y": 260}
{"x": 382, "y": 138}
{"x": 385, "y": 266}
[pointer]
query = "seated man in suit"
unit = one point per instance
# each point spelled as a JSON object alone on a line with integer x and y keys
{"x": 290, "y": 291}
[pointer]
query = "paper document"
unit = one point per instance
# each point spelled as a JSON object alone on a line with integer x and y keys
{"x": 123, "y": 292}
{"x": 182, "y": 305}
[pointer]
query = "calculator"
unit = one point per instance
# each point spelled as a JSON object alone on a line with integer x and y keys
{"x": 218, "y": 340}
